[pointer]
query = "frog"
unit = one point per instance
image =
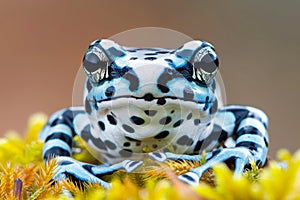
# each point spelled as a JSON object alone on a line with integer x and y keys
{"x": 158, "y": 103}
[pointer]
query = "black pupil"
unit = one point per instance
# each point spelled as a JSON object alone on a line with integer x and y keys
{"x": 91, "y": 62}
{"x": 208, "y": 63}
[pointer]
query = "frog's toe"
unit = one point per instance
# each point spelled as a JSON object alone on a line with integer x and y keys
{"x": 240, "y": 164}
{"x": 76, "y": 171}
{"x": 130, "y": 165}
{"x": 160, "y": 157}
{"x": 190, "y": 178}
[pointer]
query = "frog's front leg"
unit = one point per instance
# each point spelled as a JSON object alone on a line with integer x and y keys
{"x": 80, "y": 171}
{"x": 246, "y": 126}
{"x": 58, "y": 135}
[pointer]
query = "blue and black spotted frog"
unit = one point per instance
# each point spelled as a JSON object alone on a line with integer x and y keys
{"x": 157, "y": 103}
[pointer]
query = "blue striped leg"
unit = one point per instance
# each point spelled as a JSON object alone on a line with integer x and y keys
{"x": 58, "y": 136}
{"x": 247, "y": 126}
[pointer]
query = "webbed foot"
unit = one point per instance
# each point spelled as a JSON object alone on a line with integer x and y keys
{"x": 69, "y": 167}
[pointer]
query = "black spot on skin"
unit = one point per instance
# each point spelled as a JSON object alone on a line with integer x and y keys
{"x": 162, "y": 52}
{"x": 170, "y": 62}
{"x": 165, "y": 120}
{"x": 189, "y": 116}
{"x": 163, "y": 88}
{"x": 148, "y": 97}
{"x": 98, "y": 143}
{"x": 137, "y": 120}
{"x": 128, "y": 128}
{"x": 125, "y": 152}
{"x": 197, "y": 122}
{"x": 132, "y": 139}
{"x": 88, "y": 86}
{"x": 223, "y": 136}
{"x": 188, "y": 177}
{"x": 131, "y": 50}
{"x": 213, "y": 85}
{"x": 186, "y": 53}
{"x": 150, "y": 54}
{"x": 162, "y": 135}
{"x": 172, "y": 111}
{"x": 94, "y": 103}
{"x": 111, "y": 120}
{"x": 167, "y": 75}
{"x": 150, "y": 58}
{"x": 206, "y": 103}
{"x": 126, "y": 144}
{"x": 110, "y": 91}
{"x": 56, "y": 151}
{"x": 116, "y": 52}
{"x": 214, "y": 153}
{"x": 150, "y": 113}
{"x": 188, "y": 94}
{"x": 61, "y": 136}
{"x": 161, "y": 101}
{"x": 214, "y": 107}
{"x": 87, "y": 136}
{"x": 85, "y": 133}
{"x": 266, "y": 142}
{"x": 178, "y": 123}
{"x": 250, "y": 145}
{"x": 87, "y": 167}
{"x": 110, "y": 145}
{"x": 133, "y": 163}
{"x": 138, "y": 143}
{"x": 94, "y": 43}
{"x": 240, "y": 114}
{"x": 248, "y": 130}
{"x": 217, "y": 134}
{"x": 198, "y": 146}
{"x": 109, "y": 155}
{"x": 65, "y": 162}
{"x": 156, "y": 154}
{"x": 185, "y": 140}
{"x": 133, "y": 80}
{"x": 101, "y": 125}
{"x": 87, "y": 106}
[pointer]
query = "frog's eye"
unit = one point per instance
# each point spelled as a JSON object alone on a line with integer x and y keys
{"x": 95, "y": 64}
{"x": 205, "y": 65}
{"x": 99, "y": 57}
{"x": 202, "y": 58}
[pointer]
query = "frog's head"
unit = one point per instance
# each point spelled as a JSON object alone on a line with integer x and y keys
{"x": 145, "y": 90}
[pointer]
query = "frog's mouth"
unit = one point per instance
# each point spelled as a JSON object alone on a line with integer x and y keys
{"x": 149, "y": 99}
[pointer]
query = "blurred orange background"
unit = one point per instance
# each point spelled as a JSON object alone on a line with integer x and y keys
{"x": 42, "y": 44}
